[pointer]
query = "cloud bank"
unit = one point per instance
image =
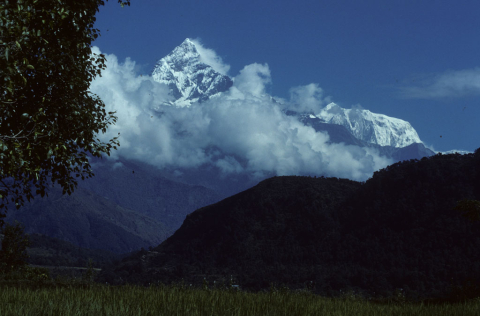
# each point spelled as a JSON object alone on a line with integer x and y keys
{"x": 241, "y": 131}
{"x": 459, "y": 83}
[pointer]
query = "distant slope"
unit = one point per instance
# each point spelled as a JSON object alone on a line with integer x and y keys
{"x": 48, "y": 251}
{"x": 127, "y": 205}
{"x": 90, "y": 221}
{"x": 397, "y": 230}
{"x": 144, "y": 189}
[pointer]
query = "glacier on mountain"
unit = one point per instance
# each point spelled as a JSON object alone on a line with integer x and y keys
{"x": 188, "y": 77}
{"x": 371, "y": 127}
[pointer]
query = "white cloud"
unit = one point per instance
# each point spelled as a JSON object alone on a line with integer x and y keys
{"x": 458, "y": 83}
{"x": 209, "y": 57}
{"x": 253, "y": 79}
{"x": 308, "y": 98}
{"x": 355, "y": 113}
{"x": 240, "y": 131}
{"x": 116, "y": 165}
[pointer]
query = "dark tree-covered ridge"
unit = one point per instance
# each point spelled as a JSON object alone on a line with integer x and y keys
{"x": 399, "y": 229}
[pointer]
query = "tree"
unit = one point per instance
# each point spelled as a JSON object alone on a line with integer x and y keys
{"x": 49, "y": 121}
{"x": 13, "y": 255}
{"x": 469, "y": 209}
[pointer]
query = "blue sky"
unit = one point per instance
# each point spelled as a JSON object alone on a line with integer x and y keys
{"x": 414, "y": 60}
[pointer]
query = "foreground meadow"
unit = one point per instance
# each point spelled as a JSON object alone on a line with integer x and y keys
{"x": 182, "y": 300}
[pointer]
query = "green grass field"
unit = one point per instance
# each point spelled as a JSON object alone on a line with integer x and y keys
{"x": 181, "y": 300}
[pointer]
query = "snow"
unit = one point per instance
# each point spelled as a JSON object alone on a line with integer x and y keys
{"x": 191, "y": 80}
{"x": 187, "y": 76}
{"x": 371, "y": 127}
{"x": 454, "y": 151}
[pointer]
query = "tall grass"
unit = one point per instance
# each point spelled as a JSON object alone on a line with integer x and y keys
{"x": 97, "y": 299}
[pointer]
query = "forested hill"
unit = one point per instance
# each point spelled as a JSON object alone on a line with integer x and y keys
{"x": 397, "y": 230}
{"x": 90, "y": 221}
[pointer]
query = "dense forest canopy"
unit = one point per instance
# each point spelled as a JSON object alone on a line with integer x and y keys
{"x": 399, "y": 229}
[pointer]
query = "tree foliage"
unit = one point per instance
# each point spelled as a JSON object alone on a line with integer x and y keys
{"x": 469, "y": 208}
{"x": 398, "y": 230}
{"x": 49, "y": 121}
{"x": 13, "y": 254}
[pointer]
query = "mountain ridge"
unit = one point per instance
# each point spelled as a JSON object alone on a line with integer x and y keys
{"x": 338, "y": 233}
{"x": 371, "y": 127}
{"x": 340, "y": 134}
{"x": 88, "y": 220}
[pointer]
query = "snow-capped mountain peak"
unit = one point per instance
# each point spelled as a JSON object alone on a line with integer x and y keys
{"x": 371, "y": 127}
{"x": 189, "y": 72}
{"x": 189, "y": 78}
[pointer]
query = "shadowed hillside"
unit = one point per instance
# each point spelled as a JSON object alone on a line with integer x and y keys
{"x": 48, "y": 251}
{"x": 90, "y": 221}
{"x": 144, "y": 189}
{"x": 397, "y": 230}
{"x": 124, "y": 207}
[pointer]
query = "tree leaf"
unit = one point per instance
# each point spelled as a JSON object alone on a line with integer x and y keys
{"x": 54, "y": 97}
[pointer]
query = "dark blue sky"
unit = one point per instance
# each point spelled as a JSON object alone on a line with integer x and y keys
{"x": 414, "y": 60}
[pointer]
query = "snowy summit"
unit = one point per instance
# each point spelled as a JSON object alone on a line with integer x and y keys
{"x": 187, "y": 75}
{"x": 194, "y": 74}
{"x": 371, "y": 127}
